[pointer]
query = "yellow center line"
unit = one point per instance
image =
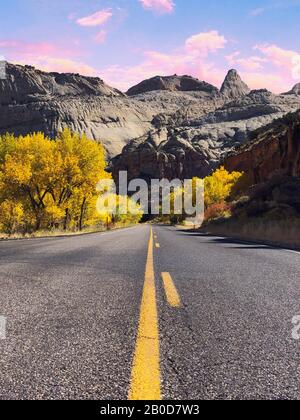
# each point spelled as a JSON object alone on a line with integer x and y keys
{"x": 172, "y": 295}
{"x": 145, "y": 376}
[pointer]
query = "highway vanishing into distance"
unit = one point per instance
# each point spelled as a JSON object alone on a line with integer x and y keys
{"x": 148, "y": 313}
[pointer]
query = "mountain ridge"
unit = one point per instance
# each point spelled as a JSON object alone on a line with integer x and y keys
{"x": 173, "y": 83}
{"x": 173, "y": 131}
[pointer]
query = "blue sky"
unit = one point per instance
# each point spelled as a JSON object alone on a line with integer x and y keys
{"x": 125, "y": 41}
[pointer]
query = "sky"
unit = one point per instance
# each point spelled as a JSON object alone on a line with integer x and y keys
{"x": 127, "y": 41}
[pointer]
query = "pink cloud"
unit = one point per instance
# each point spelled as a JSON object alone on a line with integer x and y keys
{"x": 195, "y": 57}
{"x": 61, "y": 65}
{"x": 27, "y": 48}
{"x": 251, "y": 63}
{"x": 100, "y": 38}
{"x": 159, "y": 6}
{"x": 97, "y": 19}
{"x": 287, "y": 60}
{"x": 276, "y": 69}
{"x": 296, "y": 67}
{"x": 45, "y": 56}
{"x": 205, "y": 42}
{"x": 266, "y": 80}
{"x": 271, "y": 67}
{"x": 192, "y": 58}
{"x": 22, "y": 50}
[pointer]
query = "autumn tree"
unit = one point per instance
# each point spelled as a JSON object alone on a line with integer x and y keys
{"x": 117, "y": 209}
{"x": 11, "y": 216}
{"x": 83, "y": 165}
{"x": 218, "y": 187}
{"x": 47, "y": 184}
{"x": 30, "y": 169}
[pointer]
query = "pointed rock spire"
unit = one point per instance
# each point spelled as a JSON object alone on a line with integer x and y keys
{"x": 294, "y": 91}
{"x": 233, "y": 86}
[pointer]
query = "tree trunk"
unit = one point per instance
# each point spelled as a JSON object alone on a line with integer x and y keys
{"x": 66, "y": 219}
{"x": 37, "y": 221}
{"x": 82, "y": 214}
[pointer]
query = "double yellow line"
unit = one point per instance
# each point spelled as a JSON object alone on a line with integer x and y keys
{"x": 146, "y": 376}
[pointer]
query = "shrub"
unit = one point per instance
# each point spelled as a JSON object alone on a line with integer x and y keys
{"x": 215, "y": 211}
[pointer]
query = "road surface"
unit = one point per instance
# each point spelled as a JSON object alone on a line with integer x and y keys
{"x": 210, "y": 319}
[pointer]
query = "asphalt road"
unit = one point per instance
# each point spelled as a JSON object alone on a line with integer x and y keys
{"x": 73, "y": 308}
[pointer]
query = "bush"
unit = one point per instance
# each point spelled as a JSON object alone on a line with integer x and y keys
{"x": 218, "y": 210}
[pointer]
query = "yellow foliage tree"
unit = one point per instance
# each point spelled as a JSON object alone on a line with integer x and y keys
{"x": 83, "y": 165}
{"x": 118, "y": 209}
{"x": 218, "y": 187}
{"x": 30, "y": 170}
{"x": 11, "y": 216}
{"x": 48, "y": 183}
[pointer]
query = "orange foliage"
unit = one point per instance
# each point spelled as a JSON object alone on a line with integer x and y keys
{"x": 218, "y": 210}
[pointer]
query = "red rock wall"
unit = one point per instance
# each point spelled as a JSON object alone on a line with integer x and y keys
{"x": 272, "y": 153}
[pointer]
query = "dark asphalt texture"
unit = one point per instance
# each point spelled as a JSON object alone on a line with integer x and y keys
{"x": 72, "y": 307}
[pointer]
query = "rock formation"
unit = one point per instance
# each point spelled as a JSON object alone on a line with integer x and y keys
{"x": 294, "y": 91}
{"x": 273, "y": 151}
{"x": 32, "y": 100}
{"x": 174, "y": 126}
{"x": 26, "y": 84}
{"x": 233, "y": 87}
{"x": 173, "y": 84}
{"x": 185, "y": 145}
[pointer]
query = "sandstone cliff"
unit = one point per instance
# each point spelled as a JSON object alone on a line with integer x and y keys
{"x": 166, "y": 126}
{"x": 185, "y": 145}
{"x": 267, "y": 206}
{"x": 32, "y": 100}
{"x": 274, "y": 150}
